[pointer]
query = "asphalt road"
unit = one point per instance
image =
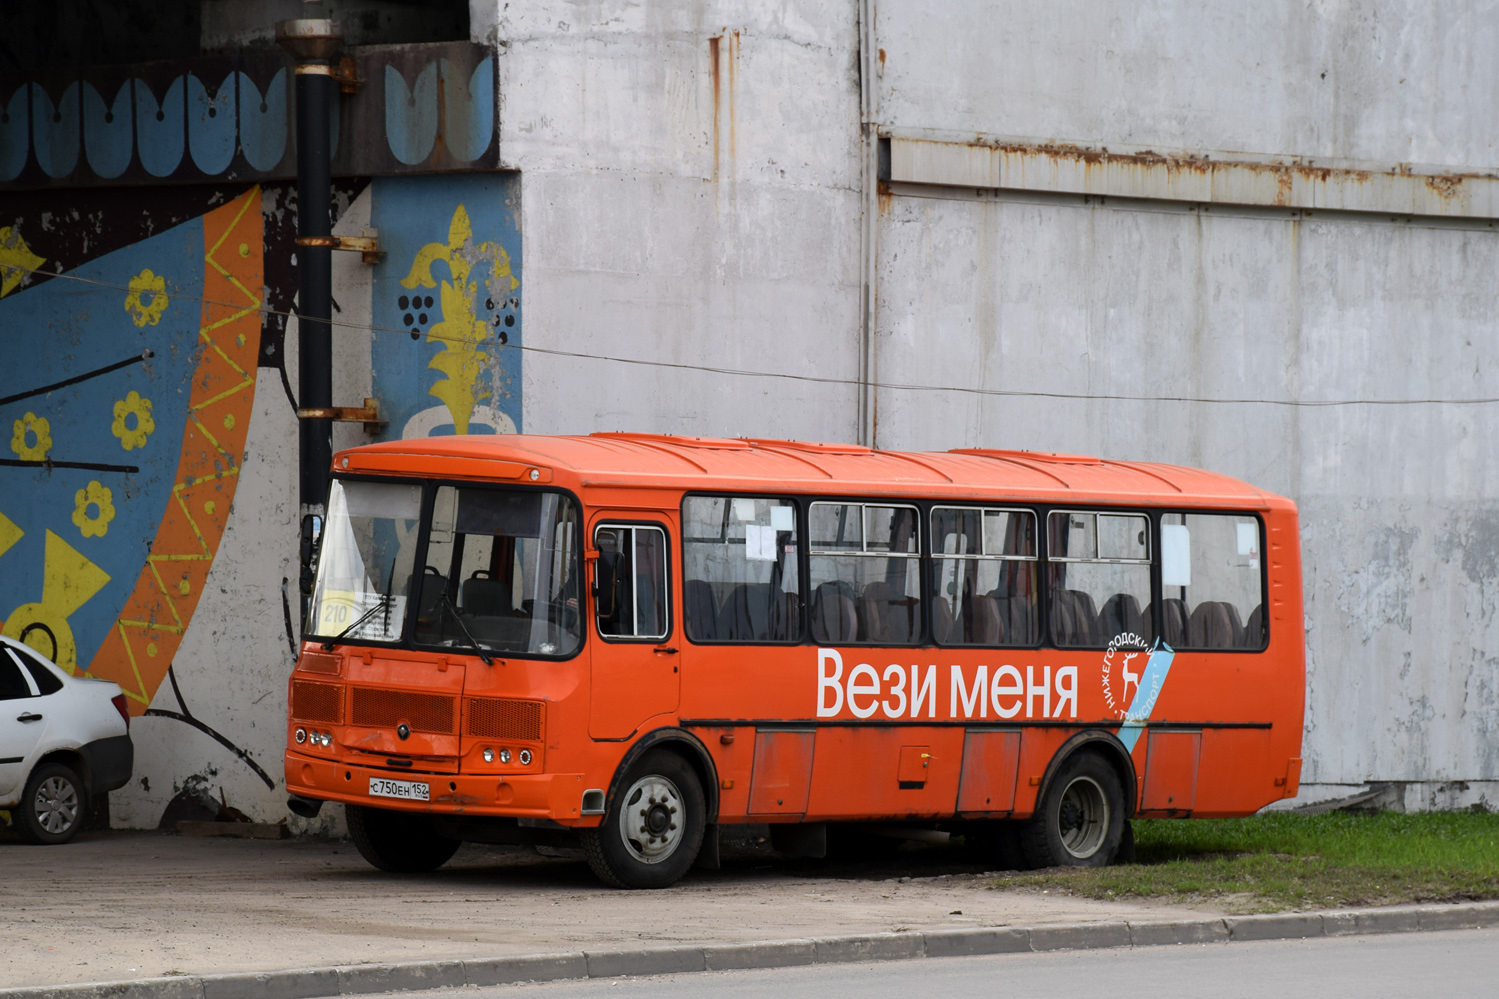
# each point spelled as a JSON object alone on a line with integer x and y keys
{"x": 1451, "y": 964}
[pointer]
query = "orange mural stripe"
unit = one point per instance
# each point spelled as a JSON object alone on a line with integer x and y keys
{"x": 155, "y": 617}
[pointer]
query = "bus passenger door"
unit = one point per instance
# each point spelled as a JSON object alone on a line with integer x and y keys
{"x": 634, "y": 674}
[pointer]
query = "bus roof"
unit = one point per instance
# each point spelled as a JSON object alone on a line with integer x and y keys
{"x": 615, "y": 460}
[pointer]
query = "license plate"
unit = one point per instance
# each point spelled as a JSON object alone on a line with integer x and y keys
{"x": 409, "y": 789}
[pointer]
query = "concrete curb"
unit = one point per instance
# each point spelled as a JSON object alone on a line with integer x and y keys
{"x": 372, "y": 979}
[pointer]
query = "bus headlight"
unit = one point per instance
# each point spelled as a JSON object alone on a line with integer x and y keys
{"x": 489, "y": 756}
{"x": 301, "y": 736}
{"x": 525, "y": 757}
{"x": 504, "y": 756}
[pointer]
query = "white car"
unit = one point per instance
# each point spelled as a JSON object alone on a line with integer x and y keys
{"x": 63, "y": 739}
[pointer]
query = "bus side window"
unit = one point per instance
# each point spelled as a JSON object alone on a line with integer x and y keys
{"x": 984, "y": 577}
{"x": 865, "y": 570}
{"x": 1211, "y": 586}
{"x": 1098, "y": 577}
{"x": 630, "y": 588}
{"x": 740, "y": 580}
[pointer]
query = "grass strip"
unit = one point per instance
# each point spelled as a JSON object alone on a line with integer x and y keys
{"x": 1281, "y": 861}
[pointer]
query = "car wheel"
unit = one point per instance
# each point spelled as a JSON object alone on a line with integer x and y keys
{"x": 1079, "y": 821}
{"x": 653, "y": 829}
{"x": 53, "y": 805}
{"x": 399, "y": 842}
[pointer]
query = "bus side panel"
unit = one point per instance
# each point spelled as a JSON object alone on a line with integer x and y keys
{"x": 902, "y": 771}
{"x": 1237, "y": 772}
{"x": 733, "y": 752}
{"x": 782, "y": 778}
{"x": 990, "y": 761}
{"x": 1171, "y": 768}
{"x": 1037, "y": 747}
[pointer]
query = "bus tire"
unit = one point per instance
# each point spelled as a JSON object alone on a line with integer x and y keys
{"x": 653, "y": 829}
{"x": 1079, "y": 821}
{"x": 398, "y": 842}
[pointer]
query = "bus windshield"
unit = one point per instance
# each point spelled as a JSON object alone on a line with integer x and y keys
{"x": 364, "y": 568}
{"x": 499, "y": 573}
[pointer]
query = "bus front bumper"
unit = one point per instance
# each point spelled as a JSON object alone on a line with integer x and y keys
{"x": 558, "y": 797}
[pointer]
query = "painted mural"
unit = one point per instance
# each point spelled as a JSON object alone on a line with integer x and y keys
{"x": 447, "y": 303}
{"x": 126, "y": 383}
{"x": 415, "y": 108}
{"x": 133, "y": 330}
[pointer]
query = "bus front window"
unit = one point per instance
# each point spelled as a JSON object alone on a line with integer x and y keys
{"x": 364, "y": 568}
{"x": 501, "y": 573}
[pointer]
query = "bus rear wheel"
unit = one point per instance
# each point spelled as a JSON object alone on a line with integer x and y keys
{"x": 399, "y": 842}
{"x": 653, "y": 829}
{"x": 1079, "y": 821}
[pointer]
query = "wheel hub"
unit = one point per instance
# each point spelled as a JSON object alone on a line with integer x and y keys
{"x": 1083, "y": 818}
{"x": 650, "y": 822}
{"x": 56, "y": 805}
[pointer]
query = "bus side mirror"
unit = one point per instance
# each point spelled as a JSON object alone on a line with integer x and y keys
{"x": 605, "y": 586}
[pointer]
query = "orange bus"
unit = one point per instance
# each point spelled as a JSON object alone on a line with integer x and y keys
{"x": 626, "y": 641}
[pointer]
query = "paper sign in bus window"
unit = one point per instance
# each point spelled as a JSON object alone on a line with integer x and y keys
{"x": 783, "y": 518}
{"x": 1249, "y": 541}
{"x": 1176, "y": 555}
{"x": 759, "y": 543}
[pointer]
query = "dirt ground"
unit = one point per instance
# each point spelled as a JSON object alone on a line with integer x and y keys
{"x": 121, "y": 905}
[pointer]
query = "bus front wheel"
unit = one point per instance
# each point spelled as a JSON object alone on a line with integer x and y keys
{"x": 1079, "y": 821}
{"x": 399, "y": 842}
{"x": 653, "y": 829}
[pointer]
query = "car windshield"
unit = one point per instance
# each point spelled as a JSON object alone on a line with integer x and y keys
{"x": 365, "y": 566}
{"x": 501, "y": 572}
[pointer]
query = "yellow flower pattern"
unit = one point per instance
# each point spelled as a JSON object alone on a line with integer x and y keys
{"x": 147, "y": 311}
{"x": 461, "y": 331}
{"x": 133, "y": 405}
{"x": 31, "y": 437}
{"x": 101, "y": 498}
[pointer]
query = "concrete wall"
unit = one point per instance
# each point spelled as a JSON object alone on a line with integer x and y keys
{"x": 685, "y": 185}
{"x": 690, "y": 177}
{"x": 1063, "y": 294}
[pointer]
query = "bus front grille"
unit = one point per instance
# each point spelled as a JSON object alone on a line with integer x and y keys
{"x": 503, "y": 718}
{"x": 318, "y": 702}
{"x": 388, "y": 708}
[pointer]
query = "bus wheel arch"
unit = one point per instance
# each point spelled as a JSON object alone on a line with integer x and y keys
{"x": 655, "y": 818}
{"x": 1083, "y": 809}
{"x": 1107, "y": 745}
{"x": 685, "y": 745}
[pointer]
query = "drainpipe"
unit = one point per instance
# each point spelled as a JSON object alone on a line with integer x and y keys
{"x": 869, "y": 238}
{"x": 313, "y": 43}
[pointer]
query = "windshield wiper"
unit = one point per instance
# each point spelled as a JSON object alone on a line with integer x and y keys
{"x": 381, "y": 604}
{"x": 483, "y": 656}
{"x": 386, "y": 599}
